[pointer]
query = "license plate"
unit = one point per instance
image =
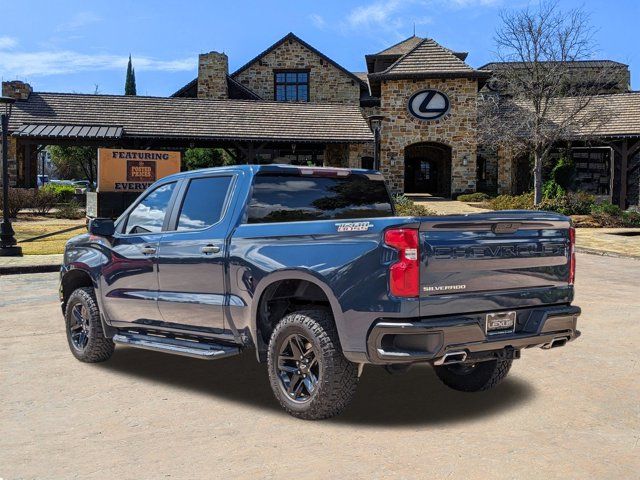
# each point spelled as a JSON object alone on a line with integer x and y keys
{"x": 501, "y": 322}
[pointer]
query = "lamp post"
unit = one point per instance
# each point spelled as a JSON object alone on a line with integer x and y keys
{"x": 8, "y": 242}
{"x": 375, "y": 121}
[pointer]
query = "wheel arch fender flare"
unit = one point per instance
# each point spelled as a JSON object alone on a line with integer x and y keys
{"x": 293, "y": 274}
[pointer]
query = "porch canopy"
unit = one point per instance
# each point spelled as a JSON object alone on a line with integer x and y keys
{"x": 246, "y": 129}
{"x": 611, "y": 120}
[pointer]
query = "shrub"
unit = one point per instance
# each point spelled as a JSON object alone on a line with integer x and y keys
{"x": 609, "y": 215}
{"x": 631, "y": 218}
{"x": 70, "y": 210}
{"x": 63, "y": 193}
{"x": 44, "y": 200}
{"x": 552, "y": 190}
{"x": 606, "y": 208}
{"x": 408, "y": 208}
{"x": 511, "y": 202}
{"x": 569, "y": 204}
{"x": 473, "y": 197}
{"x": 19, "y": 199}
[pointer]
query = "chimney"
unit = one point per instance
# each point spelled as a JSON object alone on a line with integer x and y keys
{"x": 213, "y": 68}
{"x": 16, "y": 89}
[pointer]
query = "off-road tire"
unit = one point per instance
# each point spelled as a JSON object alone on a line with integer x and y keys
{"x": 98, "y": 348}
{"x": 338, "y": 377}
{"x": 483, "y": 376}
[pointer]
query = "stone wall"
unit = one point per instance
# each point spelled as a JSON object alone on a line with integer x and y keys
{"x": 213, "y": 68}
{"x": 327, "y": 83}
{"x": 357, "y": 151}
{"x": 457, "y": 129}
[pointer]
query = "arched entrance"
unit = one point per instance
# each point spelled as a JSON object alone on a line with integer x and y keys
{"x": 427, "y": 169}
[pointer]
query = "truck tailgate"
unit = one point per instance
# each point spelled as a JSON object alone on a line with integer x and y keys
{"x": 485, "y": 255}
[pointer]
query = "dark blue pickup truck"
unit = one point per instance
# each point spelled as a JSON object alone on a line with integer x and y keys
{"x": 312, "y": 268}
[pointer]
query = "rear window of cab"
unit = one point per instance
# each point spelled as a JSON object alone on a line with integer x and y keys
{"x": 281, "y": 197}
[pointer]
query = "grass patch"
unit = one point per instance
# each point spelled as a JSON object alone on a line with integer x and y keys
{"x": 33, "y": 226}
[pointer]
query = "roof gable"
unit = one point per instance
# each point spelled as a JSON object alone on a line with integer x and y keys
{"x": 291, "y": 36}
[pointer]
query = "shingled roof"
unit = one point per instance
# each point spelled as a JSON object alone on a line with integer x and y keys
{"x": 402, "y": 47}
{"x": 607, "y": 116}
{"x": 428, "y": 58}
{"x": 192, "y": 118}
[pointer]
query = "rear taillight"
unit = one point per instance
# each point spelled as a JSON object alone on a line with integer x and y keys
{"x": 404, "y": 275}
{"x": 572, "y": 255}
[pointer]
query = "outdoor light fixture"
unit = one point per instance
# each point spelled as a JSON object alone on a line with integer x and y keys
{"x": 8, "y": 242}
{"x": 375, "y": 121}
{"x": 465, "y": 160}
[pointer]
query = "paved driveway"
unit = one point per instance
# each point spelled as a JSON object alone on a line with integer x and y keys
{"x": 572, "y": 412}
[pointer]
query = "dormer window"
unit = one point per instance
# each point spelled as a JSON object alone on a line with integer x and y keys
{"x": 292, "y": 86}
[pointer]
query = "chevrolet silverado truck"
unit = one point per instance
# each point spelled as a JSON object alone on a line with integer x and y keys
{"x": 311, "y": 268}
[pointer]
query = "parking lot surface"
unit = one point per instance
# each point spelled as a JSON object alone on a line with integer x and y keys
{"x": 572, "y": 412}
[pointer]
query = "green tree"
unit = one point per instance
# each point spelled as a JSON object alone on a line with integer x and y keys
{"x": 75, "y": 162}
{"x": 130, "y": 82}
{"x": 195, "y": 158}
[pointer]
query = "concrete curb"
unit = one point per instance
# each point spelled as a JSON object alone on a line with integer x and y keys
{"x": 602, "y": 253}
{"x": 20, "y": 269}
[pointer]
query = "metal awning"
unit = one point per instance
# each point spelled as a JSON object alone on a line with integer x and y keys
{"x": 69, "y": 131}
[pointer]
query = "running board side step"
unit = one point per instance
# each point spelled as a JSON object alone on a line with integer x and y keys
{"x": 202, "y": 350}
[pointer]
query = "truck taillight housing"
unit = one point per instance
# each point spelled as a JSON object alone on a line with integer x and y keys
{"x": 404, "y": 274}
{"x": 572, "y": 255}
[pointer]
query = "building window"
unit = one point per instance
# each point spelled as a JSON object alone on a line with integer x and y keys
{"x": 292, "y": 86}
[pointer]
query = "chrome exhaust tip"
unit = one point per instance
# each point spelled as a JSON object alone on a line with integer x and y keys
{"x": 556, "y": 342}
{"x": 451, "y": 357}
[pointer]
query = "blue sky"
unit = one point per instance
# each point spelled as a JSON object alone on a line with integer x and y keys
{"x": 72, "y": 46}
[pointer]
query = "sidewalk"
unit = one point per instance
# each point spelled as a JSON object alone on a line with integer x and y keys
{"x": 621, "y": 242}
{"x": 30, "y": 264}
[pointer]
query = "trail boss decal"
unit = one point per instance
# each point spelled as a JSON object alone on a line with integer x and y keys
{"x": 354, "y": 226}
{"x": 428, "y": 104}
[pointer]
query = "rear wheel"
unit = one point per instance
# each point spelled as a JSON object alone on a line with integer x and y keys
{"x": 84, "y": 329}
{"x": 473, "y": 377}
{"x": 309, "y": 375}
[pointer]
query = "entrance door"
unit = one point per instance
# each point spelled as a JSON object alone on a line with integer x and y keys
{"x": 421, "y": 176}
{"x": 428, "y": 169}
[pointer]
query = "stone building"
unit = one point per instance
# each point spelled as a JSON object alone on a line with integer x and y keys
{"x": 293, "y": 104}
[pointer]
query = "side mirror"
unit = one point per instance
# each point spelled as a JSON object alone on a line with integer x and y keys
{"x": 103, "y": 227}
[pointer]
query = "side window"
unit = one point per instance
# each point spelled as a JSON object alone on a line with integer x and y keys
{"x": 203, "y": 203}
{"x": 148, "y": 215}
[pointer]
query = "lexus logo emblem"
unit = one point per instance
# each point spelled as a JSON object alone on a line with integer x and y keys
{"x": 428, "y": 104}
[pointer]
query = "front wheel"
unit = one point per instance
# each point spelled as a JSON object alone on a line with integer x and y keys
{"x": 473, "y": 377}
{"x": 309, "y": 375}
{"x": 84, "y": 328}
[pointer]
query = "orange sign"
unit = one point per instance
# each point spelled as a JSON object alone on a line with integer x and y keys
{"x": 134, "y": 170}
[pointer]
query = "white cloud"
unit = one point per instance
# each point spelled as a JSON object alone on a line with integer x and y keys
{"x": 7, "y": 42}
{"x": 57, "y": 62}
{"x": 379, "y": 12}
{"x": 77, "y": 21}
{"x": 318, "y": 20}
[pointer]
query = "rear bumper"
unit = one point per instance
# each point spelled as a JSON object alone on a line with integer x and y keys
{"x": 431, "y": 339}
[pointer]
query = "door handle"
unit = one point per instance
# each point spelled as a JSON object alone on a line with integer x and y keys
{"x": 207, "y": 249}
{"x": 148, "y": 250}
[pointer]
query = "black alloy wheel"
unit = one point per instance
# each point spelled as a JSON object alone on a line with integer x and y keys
{"x": 298, "y": 368}
{"x": 80, "y": 328}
